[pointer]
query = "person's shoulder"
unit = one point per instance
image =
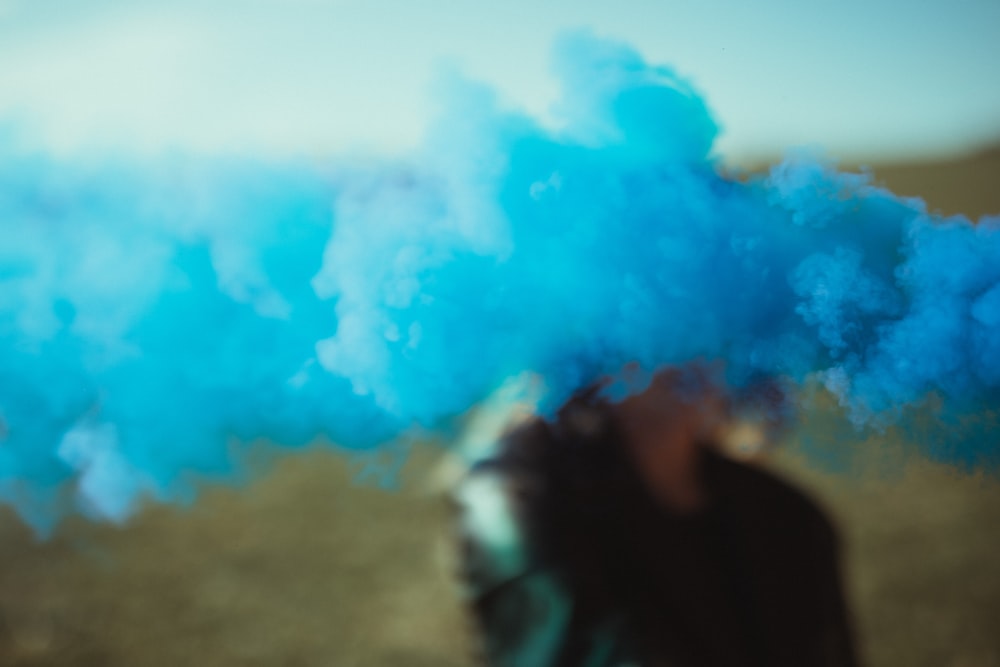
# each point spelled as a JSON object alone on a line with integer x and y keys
{"x": 771, "y": 500}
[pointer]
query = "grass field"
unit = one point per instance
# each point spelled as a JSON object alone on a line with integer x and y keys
{"x": 303, "y": 567}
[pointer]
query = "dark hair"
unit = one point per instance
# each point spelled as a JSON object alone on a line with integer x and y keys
{"x": 572, "y": 484}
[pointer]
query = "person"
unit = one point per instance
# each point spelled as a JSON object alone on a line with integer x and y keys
{"x": 618, "y": 533}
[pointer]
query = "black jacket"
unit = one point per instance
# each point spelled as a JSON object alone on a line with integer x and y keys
{"x": 593, "y": 573}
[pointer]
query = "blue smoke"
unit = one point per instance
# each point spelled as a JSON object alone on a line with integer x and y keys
{"x": 153, "y": 316}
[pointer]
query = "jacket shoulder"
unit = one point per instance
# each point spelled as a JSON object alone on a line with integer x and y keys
{"x": 770, "y": 502}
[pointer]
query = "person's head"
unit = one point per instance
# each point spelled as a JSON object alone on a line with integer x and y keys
{"x": 664, "y": 425}
{"x": 657, "y": 423}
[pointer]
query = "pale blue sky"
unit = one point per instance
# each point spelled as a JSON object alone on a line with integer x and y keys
{"x": 861, "y": 79}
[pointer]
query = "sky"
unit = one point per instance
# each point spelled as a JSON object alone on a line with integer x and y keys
{"x": 859, "y": 80}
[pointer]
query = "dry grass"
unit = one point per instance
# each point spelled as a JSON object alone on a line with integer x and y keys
{"x": 303, "y": 567}
{"x": 969, "y": 185}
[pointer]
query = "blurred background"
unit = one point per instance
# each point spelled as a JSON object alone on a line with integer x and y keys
{"x": 309, "y": 564}
{"x": 865, "y": 80}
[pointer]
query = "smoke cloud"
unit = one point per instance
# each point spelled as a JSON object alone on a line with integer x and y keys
{"x": 153, "y": 315}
